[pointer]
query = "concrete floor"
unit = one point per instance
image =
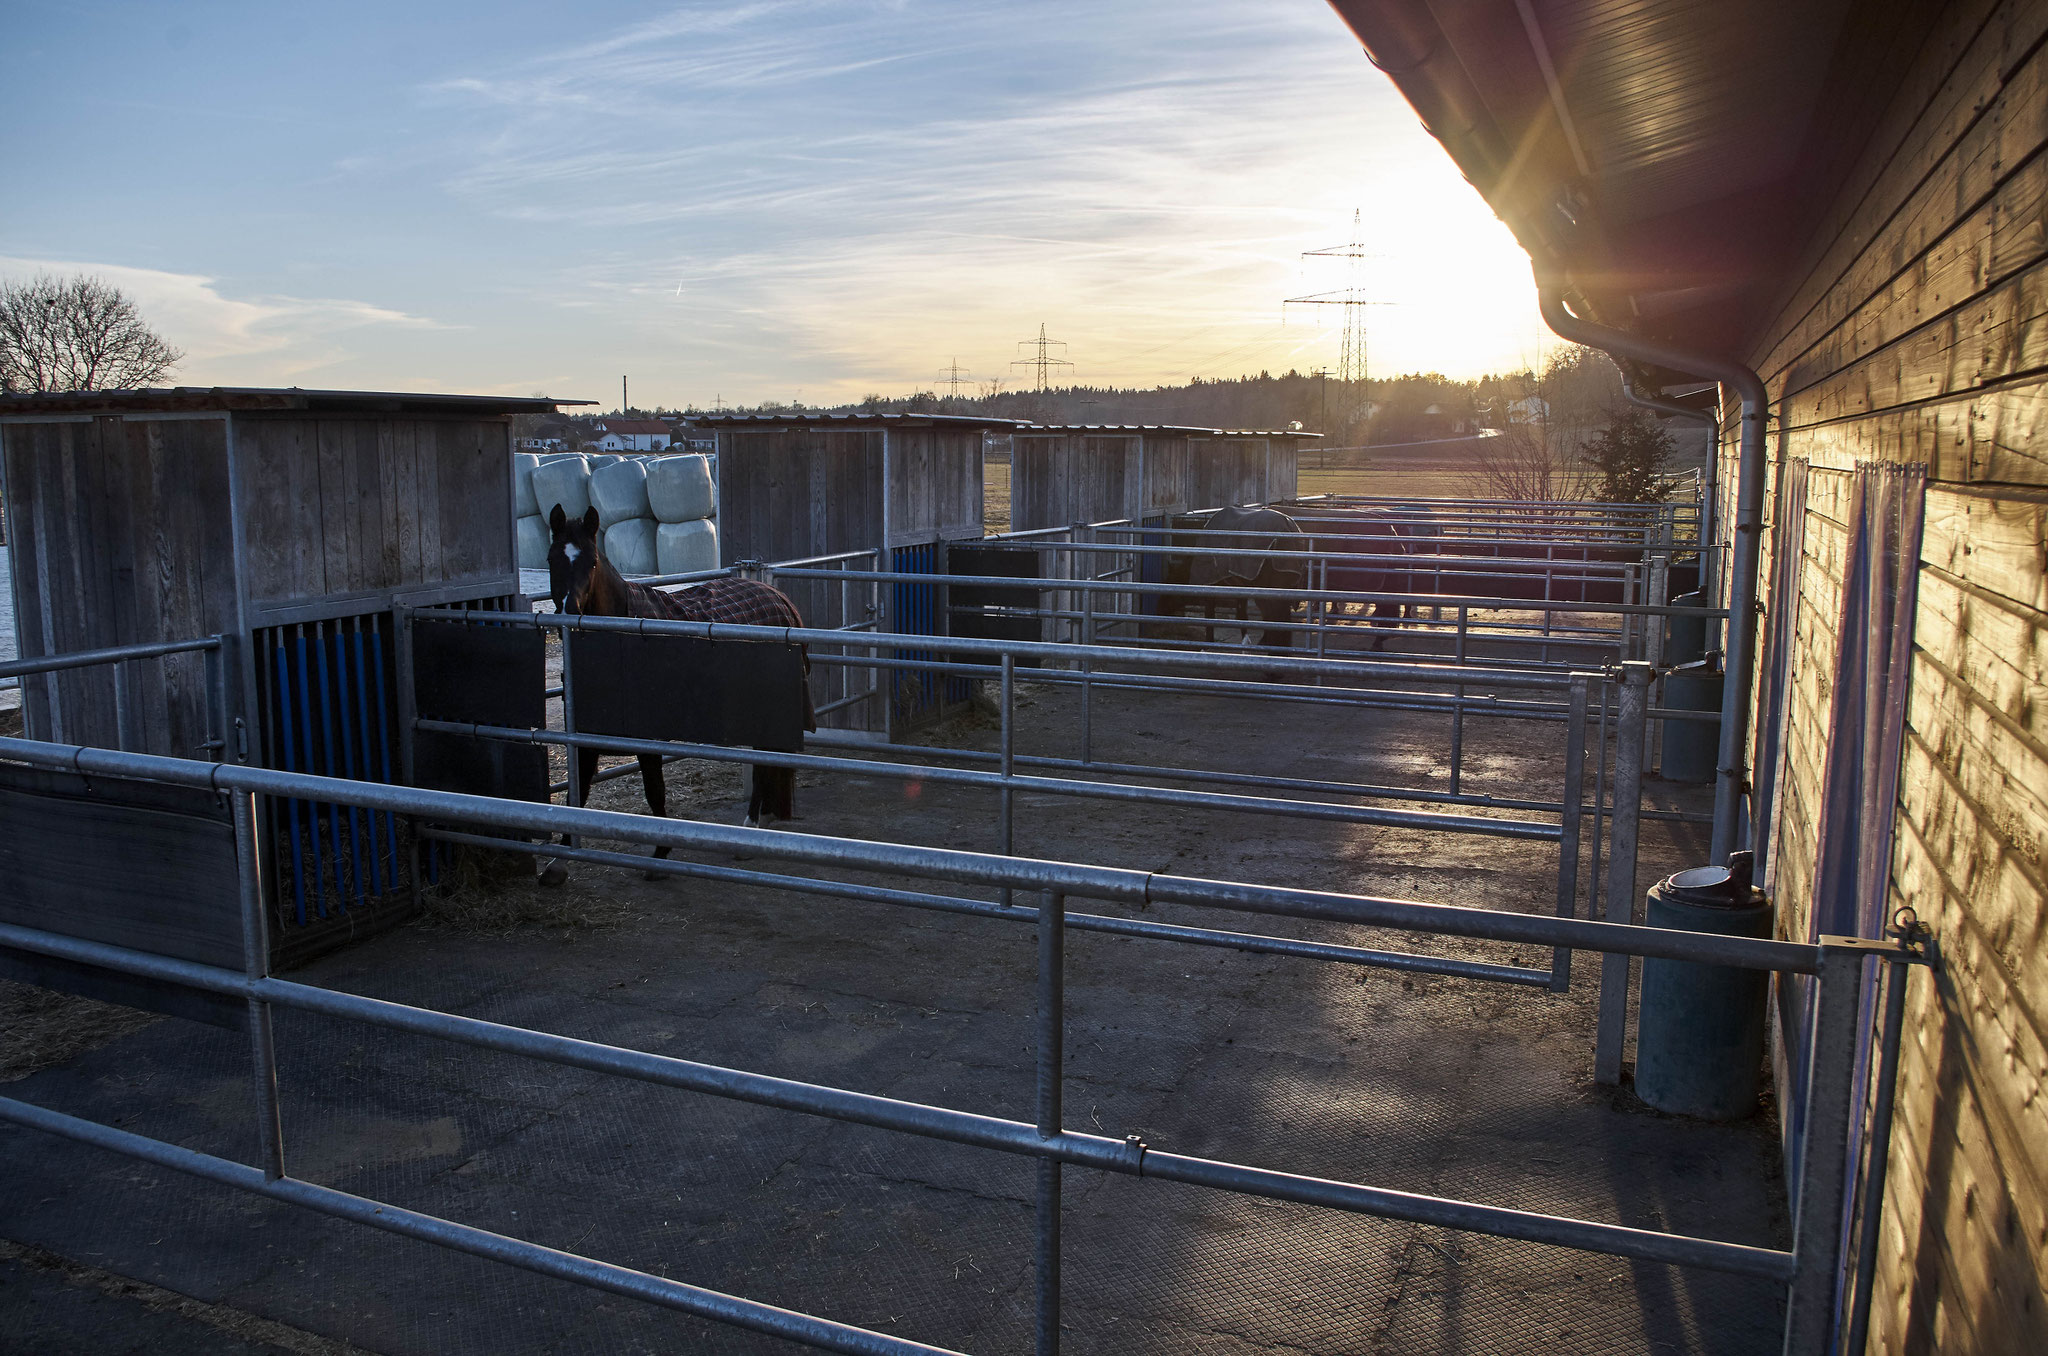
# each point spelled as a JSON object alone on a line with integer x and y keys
{"x": 1417, "y": 1083}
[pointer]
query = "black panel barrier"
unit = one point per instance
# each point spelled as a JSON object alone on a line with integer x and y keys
{"x": 489, "y": 675}
{"x": 483, "y": 675}
{"x": 128, "y": 863}
{"x": 989, "y": 611}
{"x": 742, "y": 694}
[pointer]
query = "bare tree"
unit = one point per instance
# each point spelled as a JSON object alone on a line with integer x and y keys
{"x": 1531, "y": 463}
{"x": 1545, "y": 459}
{"x": 76, "y": 334}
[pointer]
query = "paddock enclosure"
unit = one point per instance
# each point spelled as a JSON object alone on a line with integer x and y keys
{"x": 1330, "y": 834}
{"x": 1122, "y": 986}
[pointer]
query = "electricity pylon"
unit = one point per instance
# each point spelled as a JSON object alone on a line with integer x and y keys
{"x": 1044, "y": 362}
{"x": 1352, "y": 364}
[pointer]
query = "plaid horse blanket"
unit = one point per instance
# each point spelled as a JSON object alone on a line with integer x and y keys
{"x": 739, "y": 602}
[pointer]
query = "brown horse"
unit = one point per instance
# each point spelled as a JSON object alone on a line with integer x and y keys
{"x": 582, "y": 582}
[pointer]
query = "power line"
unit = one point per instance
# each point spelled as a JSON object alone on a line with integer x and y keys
{"x": 1044, "y": 362}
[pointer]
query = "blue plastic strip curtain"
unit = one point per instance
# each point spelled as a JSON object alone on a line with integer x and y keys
{"x": 1781, "y": 634}
{"x": 302, "y": 688}
{"x": 384, "y": 747}
{"x": 346, "y": 766}
{"x": 1867, "y": 727}
{"x": 378, "y": 876}
{"x": 916, "y": 689}
{"x": 1781, "y": 630}
{"x": 284, "y": 707}
{"x": 332, "y": 719}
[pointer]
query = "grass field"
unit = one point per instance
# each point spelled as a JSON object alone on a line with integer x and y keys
{"x": 1384, "y": 473}
{"x": 1447, "y": 469}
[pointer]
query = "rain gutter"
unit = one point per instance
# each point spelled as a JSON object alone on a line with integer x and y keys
{"x": 1731, "y": 781}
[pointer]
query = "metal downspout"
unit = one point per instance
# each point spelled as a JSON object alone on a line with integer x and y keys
{"x": 1731, "y": 779}
{"x": 1635, "y": 397}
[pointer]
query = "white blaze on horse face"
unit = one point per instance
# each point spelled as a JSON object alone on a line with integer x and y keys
{"x": 572, "y": 552}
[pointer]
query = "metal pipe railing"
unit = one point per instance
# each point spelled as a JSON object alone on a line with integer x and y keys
{"x": 972, "y": 868}
{"x": 1811, "y": 1266}
{"x": 1252, "y": 942}
{"x": 1052, "y": 786}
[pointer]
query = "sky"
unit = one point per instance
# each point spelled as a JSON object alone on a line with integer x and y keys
{"x": 792, "y": 200}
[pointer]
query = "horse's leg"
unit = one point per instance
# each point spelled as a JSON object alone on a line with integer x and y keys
{"x": 774, "y": 793}
{"x": 654, "y": 781}
{"x": 555, "y": 872}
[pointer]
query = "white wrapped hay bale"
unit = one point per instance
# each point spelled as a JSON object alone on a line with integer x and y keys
{"x": 619, "y": 492}
{"x": 605, "y": 459}
{"x": 565, "y": 482}
{"x": 533, "y": 541}
{"x": 679, "y": 489}
{"x": 523, "y": 466}
{"x": 684, "y": 548}
{"x": 629, "y": 546}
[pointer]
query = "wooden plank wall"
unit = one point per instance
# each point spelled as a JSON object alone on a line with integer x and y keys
{"x": 791, "y": 494}
{"x": 1038, "y": 488}
{"x": 1917, "y": 330}
{"x": 122, "y": 535}
{"x": 1057, "y": 480}
{"x": 797, "y": 493}
{"x": 1284, "y": 483}
{"x": 1228, "y": 471}
{"x": 934, "y": 484}
{"x": 1169, "y": 473}
{"x": 357, "y": 507}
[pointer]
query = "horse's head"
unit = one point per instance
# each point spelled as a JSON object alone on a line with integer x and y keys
{"x": 573, "y": 560}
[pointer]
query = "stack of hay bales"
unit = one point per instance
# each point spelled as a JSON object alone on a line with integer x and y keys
{"x": 618, "y": 491}
{"x": 684, "y": 503}
{"x": 654, "y": 514}
{"x": 538, "y": 484}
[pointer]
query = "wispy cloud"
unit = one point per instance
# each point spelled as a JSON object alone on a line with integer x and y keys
{"x": 827, "y": 200}
{"x": 746, "y": 198}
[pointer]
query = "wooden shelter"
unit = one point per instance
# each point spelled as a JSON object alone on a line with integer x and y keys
{"x": 797, "y": 486}
{"x": 896, "y": 487}
{"x": 1062, "y": 475}
{"x": 288, "y": 522}
{"x": 1244, "y": 467}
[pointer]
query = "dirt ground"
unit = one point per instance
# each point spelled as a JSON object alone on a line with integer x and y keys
{"x": 1419, "y": 1083}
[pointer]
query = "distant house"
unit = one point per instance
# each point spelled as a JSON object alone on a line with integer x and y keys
{"x": 633, "y": 435}
{"x": 1529, "y": 409}
{"x": 688, "y": 439}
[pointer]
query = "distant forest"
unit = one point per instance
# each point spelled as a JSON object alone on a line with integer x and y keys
{"x": 1577, "y": 394}
{"x": 1349, "y": 414}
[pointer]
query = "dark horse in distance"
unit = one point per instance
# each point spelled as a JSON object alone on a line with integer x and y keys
{"x": 1270, "y": 568}
{"x": 1366, "y": 552}
{"x": 582, "y": 582}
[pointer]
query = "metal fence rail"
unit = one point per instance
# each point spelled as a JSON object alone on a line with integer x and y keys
{"x": 1566, "y": 830}
{"x": 1811, "y": 1268}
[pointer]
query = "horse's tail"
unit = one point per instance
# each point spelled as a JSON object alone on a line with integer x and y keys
{"x": 794, "y": 618}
